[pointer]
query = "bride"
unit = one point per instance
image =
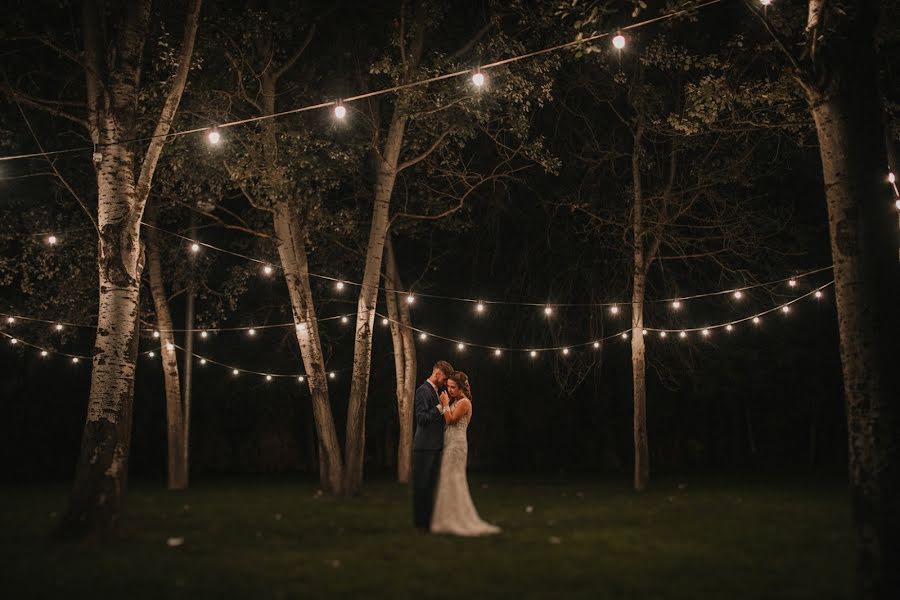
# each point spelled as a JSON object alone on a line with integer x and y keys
{"x": 454, "y": 512}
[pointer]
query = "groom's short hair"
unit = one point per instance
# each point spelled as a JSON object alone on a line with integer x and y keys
{"x": 444, "y": 366}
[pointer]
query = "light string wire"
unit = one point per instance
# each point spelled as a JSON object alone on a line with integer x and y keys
{"x": 495, "y": 302}
{"x": 371, "y": 94}
{"x": 461, "y": 345}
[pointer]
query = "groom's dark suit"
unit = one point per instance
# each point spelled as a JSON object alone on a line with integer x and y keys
{"x": 427, "y": 446}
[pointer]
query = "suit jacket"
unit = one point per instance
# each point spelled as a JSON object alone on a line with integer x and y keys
{"x": 429, "y": 422}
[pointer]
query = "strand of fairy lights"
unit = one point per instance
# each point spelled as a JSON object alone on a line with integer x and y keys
{"x": 706, "y": 331}
{"x": 477, "y": 75}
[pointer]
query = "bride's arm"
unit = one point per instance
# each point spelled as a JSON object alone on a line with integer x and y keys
{"x": 460, "y": 409}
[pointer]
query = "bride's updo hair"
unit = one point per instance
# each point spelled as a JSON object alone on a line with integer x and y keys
{"x": 462, "y": 380}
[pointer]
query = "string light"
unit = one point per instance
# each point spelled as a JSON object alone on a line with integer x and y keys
{"x": 548, "y": 310}
{"x": 757, "y": 320}
{"x": 385, "y": 321}
{"x": 423, "y": 336}
{"x": 738, "y": 295}
{"x": 618, "y": 41}
{"x": 10, "y": 320}
{"x": 170, "y": 347}
{"x": 682, "y": 334}
{"x": 156, "y": 334}
{"x": 195, "y": 247}
{"x": 51, "y": 239}
{"x": 251, "y": 332}
{"x": 151, "y": 354}
{"x": 662, "y": 334}
{"x": 765, "y": 2}
{"x": 268, "y": 378}
{"x": 597, "y": 344}
{"x": 213, "y": 136}
{"x": 676, "y": 304}
{"x": 202, "y": 361}
{"x": 44, "y": 353}
{"x": 497, "y": 352}
{"x": 410, "y": 299}
{"x": 533, "y": 353}
{"x": 300, "y": 379}
{"x": 818, "y": 294}
{"x": 478, "y": 78}
{"x": 75, "y": 359}
{"x": 267, "y": 269}
{"x": 339, "y": 285}
{"x": 705, "y": 332}
{"x": 891, "y": 177}
{"x": 59, "y": 327}
{"x": 729, "y": 327}
{"x": 13, "y": 341}
{"x": 235, "y": 372}
{"x": 340, "y": 111}
{"x": 203, "y": 334}
{"x": 644, "y": 332}
{"x": 792, "y": 282}
{"x": 460, "y": 346}
{"x": 785, "y": 309}
{"x": 565, "y": 351}
{"x": 344, "y": 320}
{"x": 332, "y": 375}
{"x": 614, "y": 309}
{"x": 479, "y": 307}
{"x": 625, "y": 335}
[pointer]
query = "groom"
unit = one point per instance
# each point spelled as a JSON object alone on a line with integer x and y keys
{"x": 428, "y": 444}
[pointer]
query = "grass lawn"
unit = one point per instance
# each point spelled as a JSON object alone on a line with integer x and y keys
{"x": 705, "y": 539}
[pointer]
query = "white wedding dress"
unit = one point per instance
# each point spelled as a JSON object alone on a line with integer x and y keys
{"x": 454, "y": 512}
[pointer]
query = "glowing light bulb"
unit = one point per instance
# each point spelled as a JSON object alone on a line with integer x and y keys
{"x": 818, "y": 294}
{"x": 460, "y": 346}
{"x": 344, "y": 320}
{"x": 533, "y": 353}
{"x": 267, "y": 269}
{"x": 765, "y": 2}
{"x": 792, "y": 282}
{"x": 13, "y": 341}
{"x": 156, "y": 334}
{"x": 268, "y": 378}
{"x": 478, "y": 79}
{"x": 251, "y": 332}
{"x": 565, "y": 351}
{"x": 340, "y": 111}
{"x": 682, "y": 334}
{"x": 705, "y": 332}
{"x": 618, "y": 41}
{"x": 410, "y": 299}
{"x": 756, "y": 320}
{"x": 662, "y": 334}
{"x": 59, "y": 327}
{"x": 729, "y": 327}
{"x": 51, "y": 239}
{"x": 44, "y": 353}
{"x": 384, "y": 321}
{"x": 423, "y": 336}
{"x": 235, "y": 372}
{"x": 479, "y": 307}
{"x": 497, "y": 352}
{"x": 644, "y": 332}
{"x": 332, "y": 375}
{"x": 195, "y": 247}
{"x": 10, "y": 320}
{"x": 548, "y": 310}
{"x": 204, "y": 334}
{"x": 897, "y": 203}
{"x": 151, "y": 354}
{"x": 614, "y": 309}
{"x": 738, "y": 295}
{"x": 170, "y": 347}
{"x": 213, "y": 136}
{"x": 300, "y": 379}
{"x": 75, "y": 359}
{"x": 785, "y": 309}
{"x": 676, "y": 304}
{"x": 596, "y": 345}
{"x": 891, "y": 177}
{"x": 625, "y": 336}
{"x": 202, "y": 361}
{"x": 339, "y": 285}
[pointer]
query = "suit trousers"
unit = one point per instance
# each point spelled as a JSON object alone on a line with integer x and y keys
{"x": 426, "y": 470}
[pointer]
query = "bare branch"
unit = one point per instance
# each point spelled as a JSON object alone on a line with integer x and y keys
{"x": 42, "y": 104}
{"x": 467, "y": 47}
{"x": 425, "y": 154}
{"x": 293, "y": 59}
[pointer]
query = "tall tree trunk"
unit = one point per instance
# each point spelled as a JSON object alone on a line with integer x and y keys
{"x": 354, "y": 453}
{"x": 176, "y": 466}
{"x": 188, "y": 361}
{"x": 842, "y": 91}
{"x": 638, "y": 358}
{"x": 113, "y": 56}
{"x": 404, "y": 360}
{"x": 291, "y": 240}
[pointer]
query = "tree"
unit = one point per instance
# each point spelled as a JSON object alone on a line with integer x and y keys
{"x": 838, "y": 73}
{"x": 112, "y": 58}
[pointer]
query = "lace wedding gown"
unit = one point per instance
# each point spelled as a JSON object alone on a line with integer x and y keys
{"x": 454, "y": 511}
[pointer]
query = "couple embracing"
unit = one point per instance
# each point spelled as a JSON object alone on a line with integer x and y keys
{"x": 441, "y": 499}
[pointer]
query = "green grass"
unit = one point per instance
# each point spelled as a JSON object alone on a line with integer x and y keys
{"x": 281, "y": 540}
